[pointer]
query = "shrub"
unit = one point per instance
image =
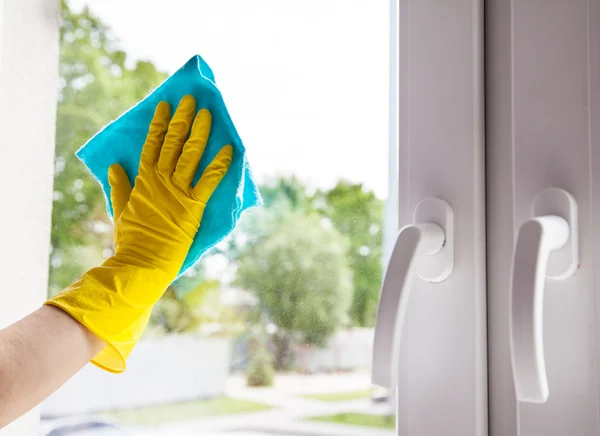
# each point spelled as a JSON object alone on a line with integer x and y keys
{"x": 260, "y": 369}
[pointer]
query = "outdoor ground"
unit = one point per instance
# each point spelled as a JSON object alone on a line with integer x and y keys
{"x": 297, "y": 405}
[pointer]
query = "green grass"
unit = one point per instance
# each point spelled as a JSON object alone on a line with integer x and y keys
{"x": 386, "y": 421}
{"x": 340, "y": 396}
{"x": 185, "y": 411}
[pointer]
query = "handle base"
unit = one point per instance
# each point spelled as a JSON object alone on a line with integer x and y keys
{"x": 438, "y": 267}
{"x": 564, "y": 261}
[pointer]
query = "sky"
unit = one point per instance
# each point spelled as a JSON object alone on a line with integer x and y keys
{"x": 305, "y": 81}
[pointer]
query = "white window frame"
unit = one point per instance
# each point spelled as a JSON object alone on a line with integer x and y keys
{"x": 438, "y": 353}
{"x": 29, "y": 53}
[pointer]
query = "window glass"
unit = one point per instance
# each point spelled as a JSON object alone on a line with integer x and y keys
{"x": 272, "y": 330}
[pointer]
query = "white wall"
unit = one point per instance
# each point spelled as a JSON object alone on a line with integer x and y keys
{"x": 348, "y": 350}
{"x": 28, "y": 90}
{"x": 172, "y": 369}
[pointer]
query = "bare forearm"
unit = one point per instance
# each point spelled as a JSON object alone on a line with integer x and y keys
{"x": 37, "y": 355}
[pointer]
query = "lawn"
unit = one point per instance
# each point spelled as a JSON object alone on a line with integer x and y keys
{"x": 340, "y": 396}
{"x": 186, "y": 411}
{"x": 385, "y": 421}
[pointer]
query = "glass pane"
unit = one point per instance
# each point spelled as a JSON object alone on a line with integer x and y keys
{"x": 271, "y": 332}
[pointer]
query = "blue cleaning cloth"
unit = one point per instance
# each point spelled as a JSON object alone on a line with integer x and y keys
{"x": 121, "y": 142}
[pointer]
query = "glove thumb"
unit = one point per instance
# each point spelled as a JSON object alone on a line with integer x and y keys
{"x": 120, "y": 189}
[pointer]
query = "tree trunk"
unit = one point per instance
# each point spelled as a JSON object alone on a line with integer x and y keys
{"x": 283, "y": 351}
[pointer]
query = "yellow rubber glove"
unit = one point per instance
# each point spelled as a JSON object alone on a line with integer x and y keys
{"x": 155, "y": 224}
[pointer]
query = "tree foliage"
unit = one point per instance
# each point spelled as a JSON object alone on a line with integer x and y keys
{"x": 194, "y": 311}
{"x": 358, "y": 214}
{"x": 96, "y": 86}
{"x": 300, "y": 274}
{"x": 280, "y": 197}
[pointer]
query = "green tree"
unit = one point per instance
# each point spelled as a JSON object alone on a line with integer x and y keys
{"x": 354, "y": 211}
{"x": 300, "y": 275}
{"x": 96, "y": 86}
{"x": 199, "y": 307}
{"x": 280, "y": 197}
{"x": 290, "y": 192}
{"x": 358, "y": 214}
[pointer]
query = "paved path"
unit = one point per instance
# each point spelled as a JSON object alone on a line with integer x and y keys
{"x": 291, "y": 411}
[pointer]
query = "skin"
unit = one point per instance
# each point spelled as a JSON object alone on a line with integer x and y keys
{"x": 37, "y": 356}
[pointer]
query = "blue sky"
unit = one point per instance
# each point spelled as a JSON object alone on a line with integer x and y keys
{"x": 306, "y": 81}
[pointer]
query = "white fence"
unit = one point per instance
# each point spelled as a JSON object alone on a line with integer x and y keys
{"x": 348, "y": 350}
{"x": 178, "y": 368}
{"x": 165, "y": 370}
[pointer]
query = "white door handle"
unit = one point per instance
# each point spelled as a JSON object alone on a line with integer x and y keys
{"x": 546, "y": 247}
{"x": 425, "y": 249}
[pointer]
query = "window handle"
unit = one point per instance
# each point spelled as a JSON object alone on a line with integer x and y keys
{"x": 426, "y": 249}
{"x": 547, "y": 247}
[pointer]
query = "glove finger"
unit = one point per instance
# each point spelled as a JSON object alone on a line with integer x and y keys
{"x": 213, "y": 175}
{"x": 193, "y": 149}
{"x": 176, "y": 135}
{"x": 156, "y": 135}
{"x": 120, "y": 189}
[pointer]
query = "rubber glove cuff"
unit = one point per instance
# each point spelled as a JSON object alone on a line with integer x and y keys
{"x": 107, "y": 300}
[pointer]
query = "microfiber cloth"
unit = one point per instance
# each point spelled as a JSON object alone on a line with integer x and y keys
{"x": 122, "y": 140}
